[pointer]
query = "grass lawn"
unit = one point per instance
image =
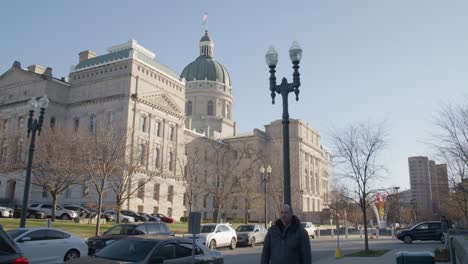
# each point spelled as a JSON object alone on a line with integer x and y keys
{"x": 368, "y": 253}
{"x": 81, "y": 230}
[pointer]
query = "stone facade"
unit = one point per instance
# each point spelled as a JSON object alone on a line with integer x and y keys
{"x": 177, "y": 122}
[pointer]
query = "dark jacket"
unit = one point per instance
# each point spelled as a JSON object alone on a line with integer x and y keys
{"x": 287, "y": 245}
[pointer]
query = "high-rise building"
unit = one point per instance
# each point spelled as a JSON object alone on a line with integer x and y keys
{"x": 429, "y": 187}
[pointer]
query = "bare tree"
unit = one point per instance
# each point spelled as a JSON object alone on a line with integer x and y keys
{"x": 339, "y": 201}
{"x": 192, "y": 168}
{"x": 55, "y": 166}
{"x": 100, "y": 154}
{"x": 356, "y": 150}
{"x": 125, "y": 182}
{"x": 452, "y": 144}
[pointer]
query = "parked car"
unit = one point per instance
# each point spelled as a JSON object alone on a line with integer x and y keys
{"x": 218, "y": 235}
{"x": 123, "y": 218}
{"x": 138, "y": 217}
{"x": 82, "y": 212}
{"x": 250, "y": 234}
{"x": 6, "y": 212}
{"x": 430, "y": 230}
{"x": 110, "y": 217}
{"x": 48, "y": 245}
{"x": 59, "y": 211}
{"x": 118, "y": 232}
{"x": 151, "y": 218}
{"x": 153, "y": 250}
{"x": 10, "y": 253}
{"x": 165, "y": 219}
{"x": 310, "y": 228}
{"x": 30, "y": 213}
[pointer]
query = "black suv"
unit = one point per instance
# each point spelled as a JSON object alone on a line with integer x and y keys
{"x": 118, "y": 232}
{"x": 9, "y": 251}
{"x": 430, "y": 230}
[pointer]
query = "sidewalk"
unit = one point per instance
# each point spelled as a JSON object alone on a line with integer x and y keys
{"x": 387, "y": 258}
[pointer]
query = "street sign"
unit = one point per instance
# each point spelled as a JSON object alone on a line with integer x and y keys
{"x": 194, "y": 223}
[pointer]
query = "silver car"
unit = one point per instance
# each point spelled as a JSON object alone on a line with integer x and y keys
{"x": 250, "y": 234}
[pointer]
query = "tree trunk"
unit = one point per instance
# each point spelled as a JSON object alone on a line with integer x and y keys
{"x": 54, "y": 206}
{"x": 364, "y": 214}
{"x": 119, "y": 204}
{"x": 98, "y": 223}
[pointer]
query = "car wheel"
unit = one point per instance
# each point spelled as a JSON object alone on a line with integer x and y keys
{"x": 442, "y": 239}
{"x": 252, "y": 242}
{"x": 212, "y": 244}
{"x": 407, "y": 239}
{"x": 233, "y": 244}
{"x": 125, "y": 220}
{"x": 65, "y": 217}
{"x": 71, "y": 254}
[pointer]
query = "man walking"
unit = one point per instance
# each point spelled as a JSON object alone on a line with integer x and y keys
{"x": 286, "y": 241}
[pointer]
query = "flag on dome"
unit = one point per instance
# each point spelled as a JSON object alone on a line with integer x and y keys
{"x": 205, "y": 18}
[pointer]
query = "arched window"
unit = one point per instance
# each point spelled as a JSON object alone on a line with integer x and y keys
{"x": 189, "y": 108}
{"x": 210, "y": 108}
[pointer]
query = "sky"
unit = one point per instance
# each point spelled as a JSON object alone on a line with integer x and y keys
{"x": 370, "y": 60}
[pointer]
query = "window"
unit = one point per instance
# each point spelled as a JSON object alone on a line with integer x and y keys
{"x": 166, "y": 252}
{"x": 143, "y": 123}
{"x": 170, "y": 193}
{"x": 110, "y": 120}
{"x": 68, "y": 192}
{"x": 156, "y": 210}
{"x": 54, "y": 234}
{"x": 169, "y": 212}
{"x": 185, "y": 250}
{"x": 142, "y": 154}
{"x": 158, "y": 128}
{"x": 210, "y": 108}
{"x": 92, "y": 124}
{"x": 422, "y": 227}
{"x": 76, "y": 123}
{"x": 45, "y": 193}
{"x": 172, "y": 133}
{"x": 189, "y": 108}
{"x": 141, "y": 189}
{"x": 184, "y": 202}
{"x": 140, "y": 209}
{"x": 205, "y": 201}
{"x": 19, "y": 151}
{"x": 20, "y": 122}
{"x": 52, "y": 122}
{"x": 156, "y": 156}
{"x": 171, "y": 161}
{"x": 228, "y": 111}
{"x": 206, "y": 176}
{"x": 38, "y": 235}
{"x": 5, "y": 125}
{"x": 85, "y": 189}
{"x": 156, "y": 191}
{"x": 4, "y": 151}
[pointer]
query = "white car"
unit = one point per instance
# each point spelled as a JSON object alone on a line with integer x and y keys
{"x": 60, "y": 212}
{"x": 48, "y": 245}
{"x": 310, "y": 228}
{"x": 123, "y": 218}
{"x": 218, "y": 235}
{"x": 6, "y": 212}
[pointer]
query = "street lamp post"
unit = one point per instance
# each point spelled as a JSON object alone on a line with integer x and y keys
{"x": 295, "y": 53}
{"x": 265, "y": 180}
{"x": 34, "y": 125}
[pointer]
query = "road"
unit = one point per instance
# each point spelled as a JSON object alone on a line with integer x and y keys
{"x": 324, "y": 248}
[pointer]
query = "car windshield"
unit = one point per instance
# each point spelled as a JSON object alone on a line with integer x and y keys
{"x": 245, "y": 228}
{"x": 127, "y": 250}
{"x": 15, "y": 233}
{"x": 207, "y": 229}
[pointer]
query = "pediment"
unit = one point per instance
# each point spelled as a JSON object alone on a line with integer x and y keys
{"x": 163, "y": 100}
{"x": 16, "y": 76}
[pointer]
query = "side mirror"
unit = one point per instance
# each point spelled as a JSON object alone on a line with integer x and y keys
{"x": 24, "y": 239}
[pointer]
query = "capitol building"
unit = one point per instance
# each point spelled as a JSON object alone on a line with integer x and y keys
{"x": 183, "y": 123}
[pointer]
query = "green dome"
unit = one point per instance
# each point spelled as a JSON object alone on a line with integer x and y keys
{"x": 205, "y": 67}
